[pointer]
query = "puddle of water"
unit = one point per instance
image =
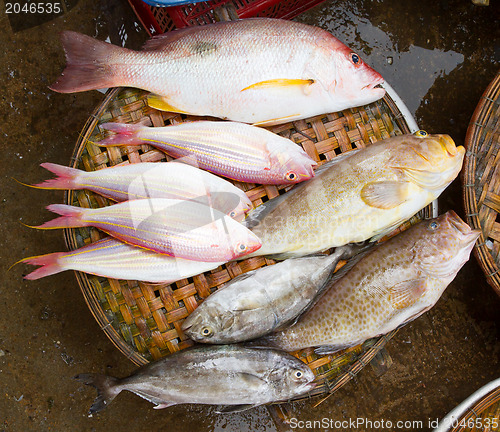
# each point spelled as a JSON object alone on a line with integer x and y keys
{"x": 411, "y": 72}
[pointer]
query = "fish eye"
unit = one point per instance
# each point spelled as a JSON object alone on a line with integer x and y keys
{"x": 232, "y": 214}
{"x": 206, "y": 331}
{"x": 241, "y": 247}
{"x": 291, "y": 176}
{"x": 298, "y": 374}
{"x": 433, "y": 225}
{"x": 421, "y": 134}
{"x": 355, "y": 58}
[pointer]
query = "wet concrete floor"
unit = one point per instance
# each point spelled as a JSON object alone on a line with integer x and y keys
{"x": 438, "y": 55}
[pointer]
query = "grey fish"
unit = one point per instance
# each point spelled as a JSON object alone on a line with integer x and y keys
{"x": 386, "y": 288}
{"x": 261, "y": 301}
{"x": 237, "y": 377}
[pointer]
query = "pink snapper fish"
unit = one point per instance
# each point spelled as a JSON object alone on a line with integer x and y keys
{"x": 262, "y": 71}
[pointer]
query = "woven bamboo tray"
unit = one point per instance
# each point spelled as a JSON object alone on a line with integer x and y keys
{"x": 481, "y": 181}
{"x": 479, "y": 412}
{"x": 144, "y": 320}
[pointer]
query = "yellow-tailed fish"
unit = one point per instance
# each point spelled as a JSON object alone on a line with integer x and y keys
{"x": 388, "y": 287}
{"x": 359, "y": 195}
{"x": 230, "y": 149}
{"x": 153, "y": 180}
{"x": 261, "y": 70}
{"x": 112, "y": 258}
{"x": 179, "y": 228}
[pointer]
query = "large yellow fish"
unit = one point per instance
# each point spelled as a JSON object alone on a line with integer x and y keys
{"x": 260, "y": 70}
{"x": 360, "y": 195}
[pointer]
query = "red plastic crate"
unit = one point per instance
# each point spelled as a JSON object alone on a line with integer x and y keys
{"x": 162, "y": 19}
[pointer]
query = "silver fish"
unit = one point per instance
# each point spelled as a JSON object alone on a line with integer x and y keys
{"x": 237, "y": 377}
{"x": 260, "y": 301}
{"x": 389, "y": 287}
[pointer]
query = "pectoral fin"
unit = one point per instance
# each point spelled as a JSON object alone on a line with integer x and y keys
{"x": 405, "y": 294}
{"x": 385, "y": 194}
{"x": 161, "y": 103}
{"x": 235, "y": 408}
{"x": 247, "y": 304}
{"x": 279, "y": 83}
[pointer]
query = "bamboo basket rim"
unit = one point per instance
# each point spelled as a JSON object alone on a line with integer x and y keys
{"x": 472, "y": 408}
{"x": 374, "y": 346}
{"x": 478, "y": 144}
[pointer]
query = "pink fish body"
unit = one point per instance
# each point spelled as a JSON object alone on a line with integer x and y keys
{"x": 177, "y": 228}
{"x": 171, "y": 180}
{"x": 112, "y": 258}
{"x": 230, "y": 149}
{"x": 262, "y": 71}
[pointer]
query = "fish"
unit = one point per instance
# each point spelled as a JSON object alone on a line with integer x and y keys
{"x": 179, "y": 228}
{"x": 153, "y": 180}
{"x": 359, "y": 195}
{"x": 385, "y": 288}
{"x": 260, "y": 301}
{"x": 111, "y": 258}
{"x": 261, "y": 71}
{"x": 235, "y": 377}
{"x": 235, "y": 150}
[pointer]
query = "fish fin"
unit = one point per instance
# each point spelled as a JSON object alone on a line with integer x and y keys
{"x": 164, "y": 405}
{"x": 87, "y": 66}
{"x": 275, "y": 121}
{"x": 162, "y": 42}
{"x": 339, "y": 158}
{"x": 405, "y": 294}
{"x": 70, "y": 217}
{"x": 251, "y": 380}
{"x": 385, "y": 194}
{"x": 106, "y": 386}
{"x": 125, "y": 134}
{"x": 330, "y": 349}
{"x": 280, "y": 82}
{"x": 65, "y": 177}
{"x": 386, "y": 231}
{"x": 49, "y": 263}
{"x": 161, "y": 103}
{"x": 257, "y": 214}
{"x": 235, "y": 408}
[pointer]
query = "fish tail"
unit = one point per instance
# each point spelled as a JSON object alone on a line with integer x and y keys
{"x": 88, "y": 64}
{"x": 66, "y": 177}
{"x": 70, "y": 217}
{"x": 49, "y": 265}
{"x": 106, "y": 386}
{"x": 125, "y": 134}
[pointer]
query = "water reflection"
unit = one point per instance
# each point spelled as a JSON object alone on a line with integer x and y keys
{"x": 411, "y": 72}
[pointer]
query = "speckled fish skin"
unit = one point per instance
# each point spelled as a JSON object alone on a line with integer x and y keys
{"x": 179, "y": 228}
{"x": 237, "y": 377}
{"x": 153, "y": 180}
{"x": 390, "y": 286}
{"x": 359, "y": 195}
{"x": 260, "y": 70}
{"x": 114, "y": 259}
{"x": 234, "y": 150}
{"x": 260, "y": 301}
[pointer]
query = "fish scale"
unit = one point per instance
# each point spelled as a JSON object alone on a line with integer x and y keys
{"x": 384, "y": 289}
{"x": 261, "y": 70}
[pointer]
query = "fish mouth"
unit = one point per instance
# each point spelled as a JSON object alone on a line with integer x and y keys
{"x": 464, "y": 229}
{"x": 375, "y": 84}
{"x": 448, "y": 145}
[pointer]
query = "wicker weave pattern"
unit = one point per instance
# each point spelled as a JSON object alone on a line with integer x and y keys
{"x": 143, "y": 320}
{"x": 482, "y": 181}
